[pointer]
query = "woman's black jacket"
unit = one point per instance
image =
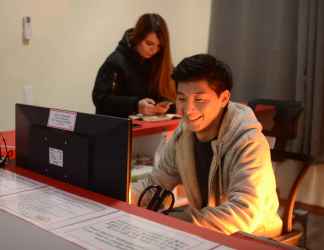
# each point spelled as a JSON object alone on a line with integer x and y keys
{"x": 122, "y": 81}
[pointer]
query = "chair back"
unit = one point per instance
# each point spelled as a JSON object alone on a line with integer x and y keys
{"x": 285, "y": 119}
{"x": 284, "y": 127}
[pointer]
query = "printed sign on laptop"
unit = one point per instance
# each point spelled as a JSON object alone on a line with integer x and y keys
{"x": 62, "y": 119}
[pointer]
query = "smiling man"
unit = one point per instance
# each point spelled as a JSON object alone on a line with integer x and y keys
{"x": 218, "y": 153}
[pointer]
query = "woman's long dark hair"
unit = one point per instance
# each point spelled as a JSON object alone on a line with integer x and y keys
{"x": 161, "y": 83}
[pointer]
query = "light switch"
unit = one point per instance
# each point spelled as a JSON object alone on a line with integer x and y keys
{"x": 27, "y": 29}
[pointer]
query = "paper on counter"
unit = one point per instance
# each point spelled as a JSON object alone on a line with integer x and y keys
{"x": 224, "y": 248}
{"x": 11, "y": 183}
{"x": 52, "y": 208}
{"x": 125, "y": 231}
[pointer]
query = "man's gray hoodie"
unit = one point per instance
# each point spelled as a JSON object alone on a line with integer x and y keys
{"x": 242, "y": 193}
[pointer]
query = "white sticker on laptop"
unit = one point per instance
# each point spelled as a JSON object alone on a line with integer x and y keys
{"x": 56, "y": 157}
{"x": 62, "y": 119}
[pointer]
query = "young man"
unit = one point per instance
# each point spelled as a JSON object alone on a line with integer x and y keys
{"x": 218, "y": 153}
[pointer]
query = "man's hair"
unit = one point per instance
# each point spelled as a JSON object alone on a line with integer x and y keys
{"x": 204, "y": 67}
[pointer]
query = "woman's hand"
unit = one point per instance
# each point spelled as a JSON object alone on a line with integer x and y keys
{"x": 162, "y": 107}
{"x": 146, "y": 106}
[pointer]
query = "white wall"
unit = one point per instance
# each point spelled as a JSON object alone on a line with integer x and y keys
{"x": 72, "y": 38}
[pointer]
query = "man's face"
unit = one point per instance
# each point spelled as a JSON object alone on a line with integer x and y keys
{"x": 149, "y": 46}
{"x": 199, "y": 104}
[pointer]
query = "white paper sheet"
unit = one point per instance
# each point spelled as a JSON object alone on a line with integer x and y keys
{"x": 122, "y": 231}
{"x": 11, "y": 183}
{"x": 51, "y": 208}
{"x": 224, "y": 248}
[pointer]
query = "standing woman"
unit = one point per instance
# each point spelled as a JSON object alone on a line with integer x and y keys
{"x": 137, "y": 75}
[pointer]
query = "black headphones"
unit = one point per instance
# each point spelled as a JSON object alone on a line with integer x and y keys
{"x": 3, "y": 159}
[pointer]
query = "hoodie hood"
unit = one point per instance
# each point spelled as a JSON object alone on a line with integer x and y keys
{"x": 126, "y": 48}
{"x": 238, "y": 119}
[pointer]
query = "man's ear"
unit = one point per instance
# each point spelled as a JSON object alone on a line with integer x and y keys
{"x": 225, "y": 97}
